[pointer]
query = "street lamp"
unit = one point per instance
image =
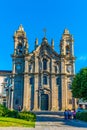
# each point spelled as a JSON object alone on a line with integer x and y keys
{"x": 9, "y": 94}
{"x": 6, "y": 89}
{"x": 11, "y": 97}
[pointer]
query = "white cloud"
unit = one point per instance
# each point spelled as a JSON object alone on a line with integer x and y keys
{"x": 82, "y": 58}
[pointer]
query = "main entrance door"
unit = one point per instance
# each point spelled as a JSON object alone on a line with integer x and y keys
{"x": 44, "y": 101}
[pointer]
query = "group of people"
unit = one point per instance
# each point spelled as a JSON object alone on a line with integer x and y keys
{"x": 68, "y": 114}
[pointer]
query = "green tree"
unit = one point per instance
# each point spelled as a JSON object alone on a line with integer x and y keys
{"x": 79, "y": 84}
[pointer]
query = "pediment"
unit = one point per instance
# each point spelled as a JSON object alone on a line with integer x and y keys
{"x": 46, "y": 50}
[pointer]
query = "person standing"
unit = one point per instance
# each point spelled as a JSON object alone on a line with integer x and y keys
{"x": 74, "y": 114}
{"x": 66, "y": 114}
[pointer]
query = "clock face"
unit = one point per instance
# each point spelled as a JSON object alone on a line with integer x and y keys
{"x": 69, "y": 69}
{"x": 18, "y": 67}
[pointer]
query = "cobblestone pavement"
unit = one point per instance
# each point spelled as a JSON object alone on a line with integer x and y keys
{"x": 53, "y": 121}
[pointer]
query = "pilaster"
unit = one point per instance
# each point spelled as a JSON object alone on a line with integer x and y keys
{"x": 54, "y": 94}
{"x": 36, "y": 91}
{"x": 27, "y": 94}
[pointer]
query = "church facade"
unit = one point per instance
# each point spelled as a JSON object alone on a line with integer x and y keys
{"x": 42, "y": 79}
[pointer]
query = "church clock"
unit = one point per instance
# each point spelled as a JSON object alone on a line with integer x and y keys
{"x": 18, "y": 68}
{"x": 69, "y": 69}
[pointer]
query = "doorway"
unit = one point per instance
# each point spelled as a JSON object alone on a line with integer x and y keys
{"x": 44, "y": 101}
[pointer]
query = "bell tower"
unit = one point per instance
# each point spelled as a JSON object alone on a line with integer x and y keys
{"x": 20, "y": 42}
{"x": 66, "y": 44}
{"x": 19, "y": 61}
{"x": 67, "y": 69}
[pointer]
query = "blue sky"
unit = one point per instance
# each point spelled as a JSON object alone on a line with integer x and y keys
{"x": 35, "y": 15}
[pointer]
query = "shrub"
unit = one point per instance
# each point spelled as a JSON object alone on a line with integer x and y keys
{"x": 13, "y": 114}
{"x": 81, "y": 116}
{"x": 21, "y": 115}
{"x": 27, "y": 116}
{"x": 4, "y": 111}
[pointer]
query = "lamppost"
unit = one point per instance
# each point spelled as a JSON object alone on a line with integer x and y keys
{"x": 9, "y": 94}
{"x": 11, "y": 98}
{"x": 4, "y": 84}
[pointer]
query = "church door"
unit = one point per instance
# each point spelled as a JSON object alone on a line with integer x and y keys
{"x": 44, "y": 101}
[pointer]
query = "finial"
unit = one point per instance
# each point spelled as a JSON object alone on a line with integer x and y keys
{"x": 66, "y": 31}
{"x": 21, "y": 28}
{"x": 36, "y": 41}
{"x": 44, "y": 30}
{"x": 52, "y": 43}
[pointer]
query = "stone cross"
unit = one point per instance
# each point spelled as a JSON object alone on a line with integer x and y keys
{"x": 44, "y": 30}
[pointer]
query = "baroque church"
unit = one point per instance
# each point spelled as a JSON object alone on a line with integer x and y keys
{"x": 42, "y": 79}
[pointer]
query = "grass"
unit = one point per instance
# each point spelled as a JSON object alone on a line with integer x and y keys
{"x": 14, "y": 122}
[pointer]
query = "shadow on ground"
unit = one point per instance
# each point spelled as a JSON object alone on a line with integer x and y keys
{"x": 57, "y": 119}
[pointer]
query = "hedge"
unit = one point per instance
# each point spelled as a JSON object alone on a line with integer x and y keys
{"x": 27, "y": 116}
{"x": 4, "y": 112}
{"x": 81, "y": 116}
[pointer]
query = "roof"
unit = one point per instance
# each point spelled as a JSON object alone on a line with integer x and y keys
{"x": 5, "y": 71}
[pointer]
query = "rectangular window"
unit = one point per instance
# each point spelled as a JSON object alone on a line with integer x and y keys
{"x": 45, "y": 79}
{"x": 31, "y": 80}
{"x": 44, "y": 64}
{"x": 58, "y": 81}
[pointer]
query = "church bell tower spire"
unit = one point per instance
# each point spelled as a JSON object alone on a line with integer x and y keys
{"x": 20, "y": 42}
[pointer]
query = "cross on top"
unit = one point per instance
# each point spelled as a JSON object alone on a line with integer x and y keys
{"x": 44, "y": 30}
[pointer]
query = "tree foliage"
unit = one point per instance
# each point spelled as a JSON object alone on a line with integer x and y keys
{"x": 79, "y": 84}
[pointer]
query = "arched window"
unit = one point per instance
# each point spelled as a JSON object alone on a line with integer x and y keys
{"x": 67, "y": 49}
{"x": 45, "y": 80}
{"x": 20, "y": 48}
{"x": 44, "y": 64}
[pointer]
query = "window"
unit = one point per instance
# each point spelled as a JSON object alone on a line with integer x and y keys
{"x": 44, "y": 64}
{"x": 31, "y": 80}
{"x": 30, "y": 68}
{"x": 69, "y": 86}
{"x": 67, "y": 50}
{"x": 20, "y": 48}
{"x": 57, "y": 80}
{"x": 16, "y": 101}
{"x": 45, "y": 79}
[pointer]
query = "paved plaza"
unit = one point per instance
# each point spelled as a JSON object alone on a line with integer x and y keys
{"x": 53, "y": 121}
